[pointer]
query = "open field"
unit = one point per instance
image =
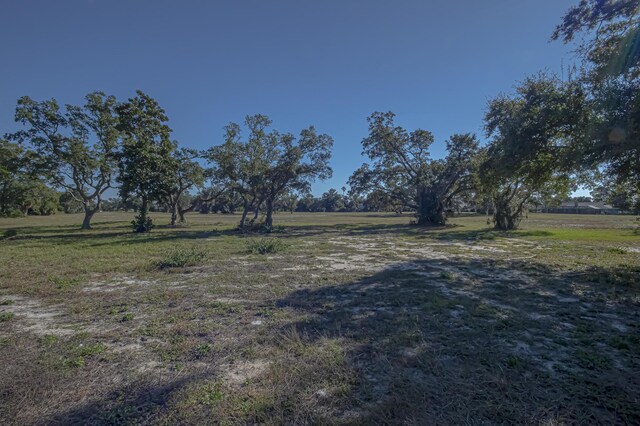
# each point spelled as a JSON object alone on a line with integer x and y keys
{"x": 355, "y": 319}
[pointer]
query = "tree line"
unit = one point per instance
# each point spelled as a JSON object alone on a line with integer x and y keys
{"x": 546, "y": 137}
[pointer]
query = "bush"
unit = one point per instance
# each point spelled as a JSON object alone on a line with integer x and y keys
{"x": 264, "y": 245}
{"x": 181, "y": 257}
{"x": 142, "y": 222}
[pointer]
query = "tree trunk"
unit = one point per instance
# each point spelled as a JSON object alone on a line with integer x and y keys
{"x": 268, "y": 222}
{"x": 506, "y": 217}
{"x": 245, "y": 212}
{"x": 174, "y": 214}
{"x": 88, "y": 214}
{"x": 430, "y": 210}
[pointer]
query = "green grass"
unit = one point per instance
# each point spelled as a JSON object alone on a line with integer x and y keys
{"x": 362, "y": 319}
{"x": 182, "y": 257}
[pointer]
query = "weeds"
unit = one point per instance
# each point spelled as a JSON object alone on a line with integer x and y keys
{"x": 63, "y": 283}
{"x": 181, "y": 257}
{"x": 82, "y": 352}
{"x": 201, "y": 350}
{"x": 265, "y": 245}
{"x": 210, "y": 393}
{"x": 6, "y": 316}
{"x": 616, "y": 250}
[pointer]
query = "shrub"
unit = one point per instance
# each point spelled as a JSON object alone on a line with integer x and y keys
{"x": 264, "y": 245}
{"x": 142, "y": 222}
{"x": 181, "y": 257}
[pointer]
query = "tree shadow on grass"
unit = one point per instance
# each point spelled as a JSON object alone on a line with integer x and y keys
{"x": 118, "y": 235}
{"x": 135, "y": 404}
{"x": 452, "y": 341}
{"x": 124, "y": 237}
{"x": 447, "y": 341}
{"x": 485, "y": 234}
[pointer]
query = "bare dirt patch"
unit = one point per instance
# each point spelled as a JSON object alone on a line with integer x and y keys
{"x": 117, "y": 283}
{"x": 31, "y": 316}
{"x": 241, "y": 372}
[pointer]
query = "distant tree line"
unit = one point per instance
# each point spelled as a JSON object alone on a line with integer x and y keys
{"x": 544, "y": 139}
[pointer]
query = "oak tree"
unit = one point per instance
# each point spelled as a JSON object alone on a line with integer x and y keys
{"x": 146, "y": 163}
{"x": 76, "y": 147}
{"x": 403, "y": 170}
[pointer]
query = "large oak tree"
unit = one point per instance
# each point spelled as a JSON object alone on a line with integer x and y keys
{"x": 532, "y": 151}
{"x": 403, "y": 170}
{"x": 76, "y": 147}
{"x": 268, "y": 164}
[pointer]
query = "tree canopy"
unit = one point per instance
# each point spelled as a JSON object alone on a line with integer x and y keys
{"x": 533, "y": 144}
{"x": 610, "y": 31}
{"x": 610, "y": 49}
{"x": 76, "y": 147}
{"x": 147, "y": 166}
{"x": 269, "y": 164}
{"x": 403, "y": 169}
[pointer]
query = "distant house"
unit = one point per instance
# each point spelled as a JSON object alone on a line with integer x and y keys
{"x": 582, "y": 207}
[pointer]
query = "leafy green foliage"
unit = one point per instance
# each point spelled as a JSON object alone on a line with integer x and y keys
{"x": 403, "y": 171}
{"x": 532, "y": 148}
{"x": 146, "y": 163}
{"x": 22, "y": 192}
{"x": 269, "y": 164}
{"x": 614, "y": 48}
{"x": 189, "y": 174}
{"x": 75, "y": 146}
{"x": 142, "y": 222}
{"x": 610, "y": 48}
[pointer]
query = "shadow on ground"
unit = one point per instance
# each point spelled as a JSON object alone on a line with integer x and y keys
{"x": 427, "y": 342}
{"x": 487, "y": 342}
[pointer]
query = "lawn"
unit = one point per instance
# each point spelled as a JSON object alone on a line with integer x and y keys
{"x": 336, "y": 318}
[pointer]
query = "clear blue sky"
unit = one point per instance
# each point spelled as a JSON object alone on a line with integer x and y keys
{"x": 330, "y": 63}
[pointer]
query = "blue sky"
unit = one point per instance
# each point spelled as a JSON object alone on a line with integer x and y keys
{"x": 329, "y": 63}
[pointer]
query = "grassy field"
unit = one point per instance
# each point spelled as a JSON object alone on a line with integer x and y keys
{"x": 350, "y": 319}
